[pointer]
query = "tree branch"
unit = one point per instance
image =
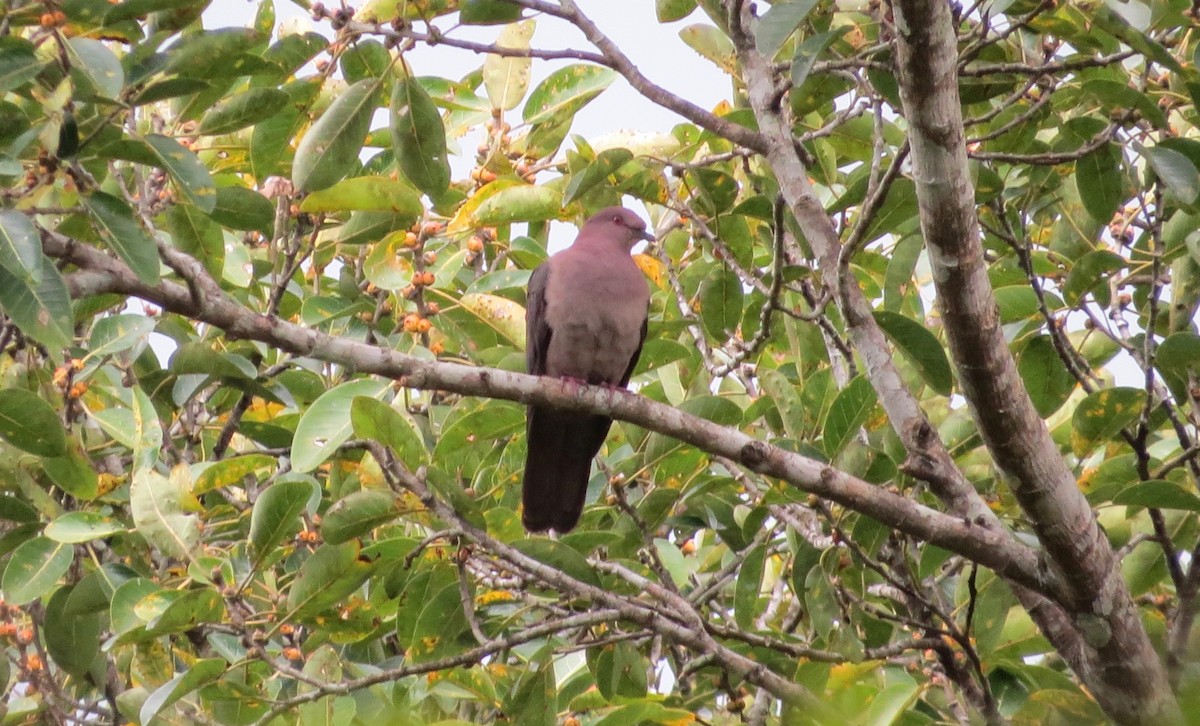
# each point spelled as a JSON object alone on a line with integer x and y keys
{"x": 978, "y": 541}
{"x": 926, "y": 51}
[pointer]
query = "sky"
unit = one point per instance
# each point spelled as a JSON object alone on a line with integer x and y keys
{"x": 656, "y": 50}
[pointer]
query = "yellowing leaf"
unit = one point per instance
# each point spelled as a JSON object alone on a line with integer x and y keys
{"x": 383, "y": 11}
{"x": 366, "y": 193}
{"x": 507, "y": 78}
{"x": 158, "y": 505}
{"x": 652, "y": 268}
{"x": 502, "y": 314}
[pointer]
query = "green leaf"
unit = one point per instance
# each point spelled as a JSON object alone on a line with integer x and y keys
{"x": 231, "y": 471}
{"x": 147, "y": 431}
{"x": 778, "y": 24}
{"x": 17, "y": 510}
{"x": 1103, "y": 414}
{"x": 711, "y": 43}
{"x": 809, "y": 50}
{"x": 198, "y": 674}
{"x": 1117, "y": 96}
{"x": 499, "y": 313}
{"x": 606, "y": 163}
{"x": 329, "y": 574}
{"x": 243, "y": 209}
{"x": 487, "y": 12}
{"x": 620, "y": 671}
{"x": 358, "y": 514}
{"x": 419, "y": 138}
{"x": 849, "y": 412}
{"x": 73, "y": 473}
{"x": 30, "y": 423}
{"x": 95, "y": 67}
{"x": 34, "y": 568}
{"x": 367, "y": 227}
{"x": 721, "y": 297}
{"x": 668, "y": 11}
{"x": 749, "y": 582}
{"x": 498, "y": 280}
{"x": 72, "y": 640}
{"x": 122, "y": 232}
{"x": 116, "y": 334}
{"x": 1046, "y": 378}
{"x": 384, "y": 11}
{"x": 1176, "y": 171}
{"x": 504, "y": 201}
{"x": 199, "y": 358}
{"x": 921, "y": 347}
{"x": 125, "y": 597}
{"x": 272, "y": 137}
{"x": 1019, "y": 302}
{"x": 276, "y": 515}
{"x": 18, "y": 63}
{"x": 41, "y": 309}
{"x": 131, "y": 9}
{"x": 890, "y": 704}
{"x": 1088, "y": 275}
{"x": 198, "y": 235}
{"x": 20, "y": 247}
{"x": 158, "y": 504}
{"x": 386, "y": 266}
{"x": 367, "y": 193}
{"x": 1158, "y": 494}
{"x": 536, "y": 700}
{"x": 241, "y": 110}
{"x": 82, "y": 526}
{"x": 1101, "y": 186}
{"x": 506, "y": 78}
{"x": 187, "y": 611}
{"x": 214, "y": 53}
{"x": 1179, "y": 354}
{"x": 787, "y": 401}
{"x": 565, "y": 91}
{"x": 329, "y": 150}
{"x": 717, "y": 190}
{"x": 291, "y": 52}
{"x": 189, "y": 175}
{"x": 559, "y": 556}
{"x": 166, "y": 89}
{"x": 326, "y": 424}
{"x": 365, "y": 59}
{"x": 432, "y": 615}
{"x": 718, "y": 409}
{"x": 374, "y": 419}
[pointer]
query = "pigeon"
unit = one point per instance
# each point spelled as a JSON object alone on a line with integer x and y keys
{"x": 585, "y": 321}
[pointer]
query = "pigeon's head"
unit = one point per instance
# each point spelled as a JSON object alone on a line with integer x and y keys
{"x": 620, "y": 224}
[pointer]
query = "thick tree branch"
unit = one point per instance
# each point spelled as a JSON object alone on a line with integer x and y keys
{"x": 926, "y": 54}
{"x": 928, "y": 458}
{"x": 991, "y": 546}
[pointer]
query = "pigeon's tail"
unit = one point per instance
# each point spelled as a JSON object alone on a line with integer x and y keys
{"x": 557, "y": 466}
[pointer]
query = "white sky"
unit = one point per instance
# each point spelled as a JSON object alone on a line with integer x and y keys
{"x": 654, "y": 48}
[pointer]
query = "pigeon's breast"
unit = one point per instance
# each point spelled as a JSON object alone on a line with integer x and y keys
{"x": 595, "y": 317}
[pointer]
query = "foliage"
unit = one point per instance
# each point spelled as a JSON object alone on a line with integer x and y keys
{"x": 258, "y": 531}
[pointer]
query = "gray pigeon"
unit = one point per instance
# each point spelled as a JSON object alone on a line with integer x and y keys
{"x": 585, "y": 320}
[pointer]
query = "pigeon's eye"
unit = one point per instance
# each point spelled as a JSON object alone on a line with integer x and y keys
{"x": 616, "y": 219}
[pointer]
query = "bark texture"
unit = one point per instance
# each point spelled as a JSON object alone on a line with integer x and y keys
{"x": 1128, "y": 678}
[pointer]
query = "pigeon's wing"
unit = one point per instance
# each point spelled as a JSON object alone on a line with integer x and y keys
{"x": 637, "y": 353}
{"x": 537, "y": 330}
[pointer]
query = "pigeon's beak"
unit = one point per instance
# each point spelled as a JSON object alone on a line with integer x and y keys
{"x": 646, "y": 235}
